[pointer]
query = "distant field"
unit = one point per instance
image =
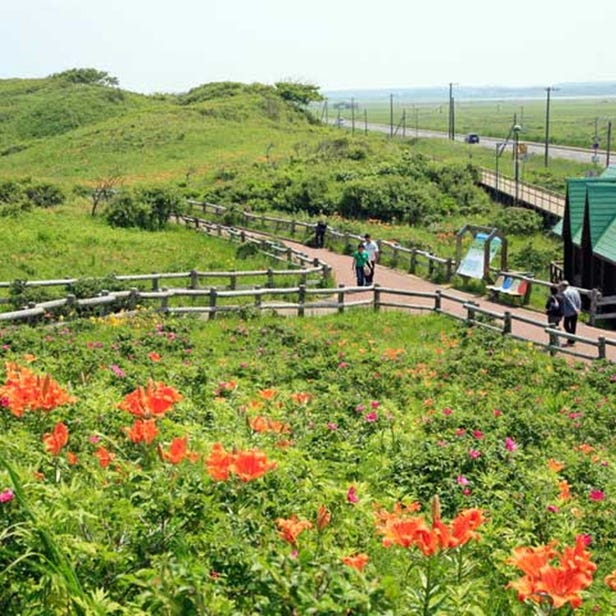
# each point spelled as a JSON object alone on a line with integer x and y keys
{"x": 572, "y": 121}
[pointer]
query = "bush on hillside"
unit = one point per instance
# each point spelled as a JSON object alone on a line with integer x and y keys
{"x": 518, "y": 221}
{"x": 89, "y": 76}
{"x": 147, "y": 208}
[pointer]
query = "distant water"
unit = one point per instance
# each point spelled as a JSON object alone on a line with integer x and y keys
{"x": 590, "y": 90}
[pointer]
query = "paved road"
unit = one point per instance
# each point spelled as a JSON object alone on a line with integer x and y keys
{"x": 538, "y": 149}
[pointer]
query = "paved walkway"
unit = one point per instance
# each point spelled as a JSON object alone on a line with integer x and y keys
{"x": 387, "y": 277}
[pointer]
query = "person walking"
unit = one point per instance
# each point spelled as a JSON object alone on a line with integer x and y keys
{"x": 372, "y": 248}
{"x": 360, "y": 264}
{"x": 319, "y": 233}
{"x": 554, "y": 307}
{"x": 572, "y": 305}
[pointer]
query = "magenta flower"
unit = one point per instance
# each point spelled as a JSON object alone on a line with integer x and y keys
{"x": 371, "y": 417}
{"x": 596, "y": 495}
{"x": 375, "y": 404}
{"x": 7, "y": 495}
{"x": 117, "y": 371}
{"x": 94, "y": 439}
{"x": 360, "y": 408}
{"x": 510, "y": 444}
{"x": 332, "y": 426}
{"x": 552, "y": 508}
{"x": 474, "y": 453}
{"x": 460, "y": 432}
{"x": 478, "y": 434}
{"x": 497, "y": 413}
{"x": 462, "y": 480}
{"x": 343, "y": 364}
{"x": 447, "y": 411}
{"x": 352, "y": 495}
{"x": 586, "y": 538}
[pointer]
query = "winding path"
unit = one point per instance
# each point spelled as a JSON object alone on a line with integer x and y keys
{"x": 386, "y": 277}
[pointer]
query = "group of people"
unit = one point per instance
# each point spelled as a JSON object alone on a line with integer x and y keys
{"x": 564, "y": 302}
{"x": 365, "y": 259}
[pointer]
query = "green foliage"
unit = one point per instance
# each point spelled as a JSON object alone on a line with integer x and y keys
{"x": 529, "y": 258}
{"x": 186, "y": 543}
{"x": 518, "y": 221}
{"x": 147, "y": 208}
{"x": 90, "y": 76}
{"x": 299, "y": 94}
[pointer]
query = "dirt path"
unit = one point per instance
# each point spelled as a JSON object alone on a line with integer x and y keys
{"x": 387, "y": 277}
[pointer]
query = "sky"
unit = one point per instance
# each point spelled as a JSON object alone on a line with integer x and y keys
{"x": 175, "y": 45}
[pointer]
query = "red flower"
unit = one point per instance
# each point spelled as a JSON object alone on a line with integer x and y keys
{"x": 251, "y": 464}
{"x": 358, "y": 561}
{"x": 178, "y": 450}
{"x": 218, "y": 463}
{"x": 142, "y": 430}
{"x": 104, "y": 457}
{"x": 291, "y": 528}
{"x": 152, "y": 401}
{"x": 56, "y": 440}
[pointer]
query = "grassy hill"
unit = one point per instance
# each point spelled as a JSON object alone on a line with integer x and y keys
{"x": 75, "y": 132}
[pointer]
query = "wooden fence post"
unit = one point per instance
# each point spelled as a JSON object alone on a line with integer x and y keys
{"x": 595, "y": 295}
{"x": 242, "y": 236}
{"x": 155, "y": 281}
{"x": 289, "y": 254}
{"x": 292, "y": 227}
{"x": 194, "y": 279}
{"x": 301, "y": 300}
{"x": 470, "y": 318}
{"x": 601, "y": 347}
{"x": 376, "y": 301}
{"x": 71, "y": 303}
{"x": 303, "y": 279}
{"x": 437, "y": 300}
{"x": 554, "y": 344}
{"x": 213, "y": 299}
{"x": 233, "y": 281}
{"x": 132, "y": 298}
{"x": 258, "y": 298}
{"x": 270, "y": 278}
{"x": 340, "y": 299}
{"x": 413, "y": 263}
{"x": 164, "y": 301}
{"x": 507, "y": 322}
{"x": 449, "y": 269}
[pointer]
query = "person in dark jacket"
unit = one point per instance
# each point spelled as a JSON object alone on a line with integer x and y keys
{"x": 554, "y": 307}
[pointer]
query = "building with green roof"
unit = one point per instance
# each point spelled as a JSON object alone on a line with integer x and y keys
{"x": 589, "y": 232}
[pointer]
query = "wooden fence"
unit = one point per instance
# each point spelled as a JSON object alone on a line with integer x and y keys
{"x": 301, "y": 301}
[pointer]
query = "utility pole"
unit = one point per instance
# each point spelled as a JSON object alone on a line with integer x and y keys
{"x": 452, "y": 131}
{"x": 609, "y": 143}
{"x": 352, "y": 116}
{"x": 549, "y": 90}
{"x": 516, "y": 164}
{"x": 391, "y": 116}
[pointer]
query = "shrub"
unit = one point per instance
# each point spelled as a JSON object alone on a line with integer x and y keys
{"x": 44, "y": 195}
{"x": 148, "y": 208}
{"x": 518, "y": 221}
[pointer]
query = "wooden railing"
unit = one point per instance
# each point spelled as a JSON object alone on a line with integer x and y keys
{"x": 302, "y": 301}
{"x": 539, "y": 198}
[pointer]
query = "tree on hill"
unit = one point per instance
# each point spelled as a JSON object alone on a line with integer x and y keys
{"x": 298, "y": 94}
{"x": 89, "y": 76}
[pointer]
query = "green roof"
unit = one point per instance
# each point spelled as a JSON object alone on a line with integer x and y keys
{"x": 576, "y": 201}
{"x": 557, "y": 229}
{"x": 609, "y": 173}
{"x": 601, "y": 197}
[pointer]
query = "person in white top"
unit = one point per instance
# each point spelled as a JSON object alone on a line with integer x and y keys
{"x": 572, "y": 306}
{"x": 372, "y": 248}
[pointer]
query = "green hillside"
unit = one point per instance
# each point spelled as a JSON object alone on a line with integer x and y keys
{"x": 60, "y": 130}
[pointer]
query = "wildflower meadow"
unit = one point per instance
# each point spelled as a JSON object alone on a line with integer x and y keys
{"x": 354, "y": 464}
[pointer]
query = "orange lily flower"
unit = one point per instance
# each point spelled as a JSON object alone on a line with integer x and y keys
{"x": 251, "y": 464}
{"x": 104, "y": 457}
{"x": 142, "y": 430}
{"x": 560, "y": 581}
{"x": 154, "y": 400}
{"x": 358, "y": 561}
{"x": 25, "y": 390}
{"x": 291, "y": 528}
{"x": 178, "y": 450}
{"x": 72, "y": 458}
{"x": 218, "y": 462}
{"x": 263, "y": 424}
{"x": 555, "y": 465}
{"x": 268, "y": 394}
{"x": 301, "y": 398}
{"x": 324, "y": 517}
{"x": 565, "y": 490}
{"x": 610, "y": 580}
{"x": 56, "y": 440}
